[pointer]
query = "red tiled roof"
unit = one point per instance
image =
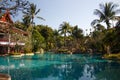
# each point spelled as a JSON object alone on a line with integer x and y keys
{"x": 6, "y": 17}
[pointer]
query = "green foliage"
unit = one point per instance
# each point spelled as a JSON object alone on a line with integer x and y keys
{"x": 102, "y": 39}
{"x": 46, "y": 32}
{"x": 65, "y": 29}
{"x": 28, "y": 46}
{"x": 112, "y": 56}
{"x": 37, "y": 40}
{"x": 21, "y": 25}
{"x": 30, "y": 13}
{"x": 26, "y": 22}
{"x": 15, "y": 53}
{"x": 106, "y": 13}
{"x": 68, "y": 37}
{"x": 77, "y": 32}
{"x": 116, "y": 47}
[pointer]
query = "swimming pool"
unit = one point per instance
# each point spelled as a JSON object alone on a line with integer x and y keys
{"x": 60, "y": 67}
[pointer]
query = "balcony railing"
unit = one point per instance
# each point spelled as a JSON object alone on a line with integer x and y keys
{"x": 11, "y": 43}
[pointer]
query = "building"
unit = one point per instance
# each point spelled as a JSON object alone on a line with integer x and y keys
{"x": 11, "y": 38}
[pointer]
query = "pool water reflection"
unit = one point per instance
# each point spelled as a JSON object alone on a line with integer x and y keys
{"x": 60, "y": 67}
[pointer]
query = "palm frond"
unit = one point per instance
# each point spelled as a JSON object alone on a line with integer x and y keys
{"x": 32, "y": 8}
{"x": 96, "y": 21}
{"x": 101, "y": 6}
{"x": 37, "y": 11}
{"x": 40, "y": 18}
{"x": 24, "y": 12}
{"x": 99, "y": 13}
{"x": 114, "y": 6}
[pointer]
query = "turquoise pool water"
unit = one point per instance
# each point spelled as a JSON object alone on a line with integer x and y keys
{"x": 60, "y": 67}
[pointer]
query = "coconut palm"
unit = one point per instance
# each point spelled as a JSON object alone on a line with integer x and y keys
{"x": 106, "y": 13}
{"x": 56, "y": 35}
{"x": 77, "y": 34}
{"x": 31, "y": 13}
{"x": 64, "y": 29}
{"x": 100, "y": 27}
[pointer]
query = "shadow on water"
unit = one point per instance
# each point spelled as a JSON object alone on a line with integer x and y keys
{"x": 60, "y": 67}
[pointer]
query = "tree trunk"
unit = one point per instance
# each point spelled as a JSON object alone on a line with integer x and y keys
{"x": 108, "y": 49}
{"x": 9, "y": 38}
{"x": 108, "y": 24}
{"x": 65, "y": 40}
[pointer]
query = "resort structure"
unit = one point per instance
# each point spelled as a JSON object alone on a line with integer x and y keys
{"x": 11, "y": 38}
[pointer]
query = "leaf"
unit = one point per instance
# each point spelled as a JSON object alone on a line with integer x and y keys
{"x": 37, "y": 11}
{"x": 41, "y": 18}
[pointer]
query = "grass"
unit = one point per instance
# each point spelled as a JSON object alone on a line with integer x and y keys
{"x": 15, "y": 53}
{"x": 112, "y": 56}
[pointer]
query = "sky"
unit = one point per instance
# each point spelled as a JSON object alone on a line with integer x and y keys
{"x": 75, "y": 12}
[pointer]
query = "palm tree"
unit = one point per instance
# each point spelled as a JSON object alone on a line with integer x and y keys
{"x": 29, "y": 16}
{"x": 100, "y": 27}
{"x": 106, "y": 13}
{"x": 64, "y": 29}
{"x": 77, "y": 35}
{"x": 77, "y": 32}
{"x": 31, "y": 13}
{"x": 56, "y": 35}
{"x": 26, "y": 22}
{"x": 109, "y": 40}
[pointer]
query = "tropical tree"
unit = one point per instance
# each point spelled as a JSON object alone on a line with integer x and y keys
{"x": 118, "y": 22}
{"x": 106, "y": 13}
{"x": 26, "y": 22}
{"x": 77, "y": 34}
{"x": 116, "y": 46}
{"x": 47, "y": 33}
{"x": 56, "y": 38}
{"x": 108, "y": 40}
{"x": 65, "y": 29}
{"x": 38, "y": 40}
{"x": 30, "y": 14}
{"x": 20, "y": 25}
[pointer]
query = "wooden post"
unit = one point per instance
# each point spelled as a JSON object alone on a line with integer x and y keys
{"x": 9, "y": 40}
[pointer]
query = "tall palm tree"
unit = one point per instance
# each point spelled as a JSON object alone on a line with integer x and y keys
{"x": 26, "y": 21}
{"x": 99, "y": 27}
{"x": 106, "y": 13}
{"x": 77, "y": 32}
{"x": 64, "y": 29}
{"x": 77, "y": 35}
{"x": 29, "y": 16}
{"x": 56, "y": 35}
{"x": 31, "y": 13}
